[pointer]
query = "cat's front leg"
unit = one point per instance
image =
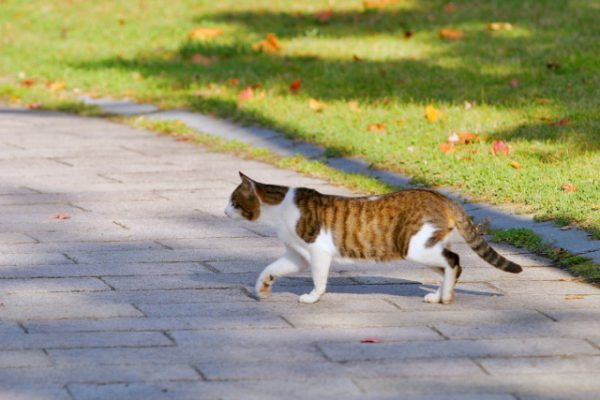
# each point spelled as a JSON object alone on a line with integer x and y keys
{"x": 289, "y": 263}
{"x": 320, "y": 262}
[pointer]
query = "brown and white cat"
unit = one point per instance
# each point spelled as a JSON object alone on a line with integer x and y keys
{"x": 412, "y": 224}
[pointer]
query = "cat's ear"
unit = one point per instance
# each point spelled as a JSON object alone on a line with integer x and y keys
{"x": 246, "y": 181}
{"x": 255, "y": 187}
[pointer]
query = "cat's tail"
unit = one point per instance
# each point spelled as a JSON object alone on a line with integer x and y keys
{"x": 468, "y": 230}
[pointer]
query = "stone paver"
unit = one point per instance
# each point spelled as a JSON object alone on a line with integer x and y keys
{"x": 145, "y": 291}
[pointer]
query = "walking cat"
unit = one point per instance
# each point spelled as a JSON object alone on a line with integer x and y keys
{"x": 412, "y": 224}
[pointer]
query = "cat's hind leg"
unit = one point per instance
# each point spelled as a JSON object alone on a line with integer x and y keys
{"x": 291, "y": 262}
{"x": 451, "y": 274}
{"x": 320, "y": 262}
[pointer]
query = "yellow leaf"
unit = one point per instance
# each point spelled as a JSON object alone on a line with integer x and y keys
{"x": 354, "y": 106}
{"x": 270, "y": 44}
{"x": 451, "y": 34}
{"x": 516, "y": 165}
{"x": 432, "y": 114}
{"x": 316, "y": 105}
{"x": 204, "y": 33}
{"x": 500, "y": 26}
{"x": 56, "y": 86}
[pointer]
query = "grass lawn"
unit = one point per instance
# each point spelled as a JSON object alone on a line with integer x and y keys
{"x": 371, "y": 74}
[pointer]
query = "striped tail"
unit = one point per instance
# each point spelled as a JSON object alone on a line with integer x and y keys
{"x": 468, "y": 231}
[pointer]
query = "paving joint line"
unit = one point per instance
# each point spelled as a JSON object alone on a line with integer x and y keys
{"x": 547, "y": 315}
{"x": 480, "y": 366}
{"x": 594, "y": 345}
{"x": 70, "y": 258}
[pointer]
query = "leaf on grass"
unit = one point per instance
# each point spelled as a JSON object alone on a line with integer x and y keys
{"x": 567, "y": 187}
{"x": 234, "y": 81}
{"x": 408, "y": 34}
{"x": 316, "y": 105}
{"x": 295, "y": 86}
{"x": 34, "y": 106}
{"x": 375, "y": 4}
{"x": 468, "y": 137}
{"x": 453, "y": 138}
{"x": 447, "y": 147}
{"x": 552, "y": 65}
{"x": 432, "y": 114}
{"x": 516, "y": 165}
{"x": 28, "y": 82}
{"x": 449, "y": 7}
{"x": 500, "y": 26}
{"x": 60, "y": 216}
{"x": 356, "y": 58}
{"x": 204, "y": 33}
{"x": 354, "y": 106}
{"x": 246, "y": 94}
{"x": 324, "y": 16}
{"x": 372, "y": 339}
{"x": 560, "y": 122}
{"x": 55, "y": 86}
{"x": 270, "y": 44}
{"x": 499, "y": 147}
{"x": 451, "y": 34}
{"x": 378, "y": 127}
{"x": 514, "y": 83}
{"x": 468, "y": 105}
{"x": 201, "y": 59}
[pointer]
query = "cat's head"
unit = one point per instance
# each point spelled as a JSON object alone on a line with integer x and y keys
{"x": 244, "y": 202}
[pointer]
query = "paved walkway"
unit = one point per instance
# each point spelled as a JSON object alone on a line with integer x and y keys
{"x": 143, "y": 293}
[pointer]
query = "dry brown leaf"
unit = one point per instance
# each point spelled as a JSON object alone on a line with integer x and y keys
{"x": 468, "y": 138}
{"x": 567, "y": 187}
{"x": 316, "y": 105}
{"x": 451, "y": 34}
{"x": 356, "y": 58}
{"x": 201, "y": 59}
{"x": 516, "y": 165}
{"x": 560, "y": 122}
{"x": 28, "y": 82}
{"x": 574, "y": 297}
{"x": 432, "y": 114}
{"x": 234, "y": 81}
{"x": 270, "y": 44}
{"x": 378, "y": 127}
{"x": 204, "y": 33}
{"x": 447, "y": 148}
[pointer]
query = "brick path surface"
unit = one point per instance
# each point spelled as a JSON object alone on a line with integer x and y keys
{"x": 145, "y": 291}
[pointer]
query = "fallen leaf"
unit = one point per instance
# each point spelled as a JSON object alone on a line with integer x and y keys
{"x": 55, "y": 86}
{"x": 376, "y": 127}
{"x": 468, "y": 137}
{"x": 514, "y": 83}
{"x": 570, "y": 279}
{"x": 560, "y": 122}
{"x": 574, "y": 297}
{"x": 201, "y": 59}
{"x": 60, "y": 216}
{"x": 356, "y": 58}
{"x": 316, "y": 105}
{"x": 234, "y": 81}
{"x": 408, "y": 34}
{"x": 353, "y": 105}
{"x": 270, "y": 44}
{"x": 468, "y": 105}
{"x": 552, "y": 66}
{"x": 449, "y": 7}
{"x": 246, "y": 94}
{"x": 447, "y": 148}
{"x": 432, "y": 114}
{"x": 499, "y": 147}
{"x": 34, "y": 106}
{"x": 516, "y": 165}
{"x": 567, "y": 187}
{"x": 500, "y": 26}
{"x": 295, "y": 86}
{"x": 183, "y": 139}
{"x": 375, "y": 4}
{"x": 204, "y": 33}
{"x": 28, "y": 82}
{"x": 324, "y": 16}
{"x": 451, "y": 34}
{"x": 372, "y": 339}
{"x": 542, "y": 101}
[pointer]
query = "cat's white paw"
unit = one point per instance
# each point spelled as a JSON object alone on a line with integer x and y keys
{"x": 309, "y": 298}
{"x": 432, "y": 298}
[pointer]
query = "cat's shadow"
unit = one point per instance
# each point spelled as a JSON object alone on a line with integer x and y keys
{"x": 387, "y": 286}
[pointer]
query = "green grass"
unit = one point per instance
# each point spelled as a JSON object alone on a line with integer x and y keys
{"x": 527, "y": 239}
{"x": 140, "y": 49}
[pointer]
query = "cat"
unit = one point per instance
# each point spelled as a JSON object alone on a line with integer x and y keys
{"x": 412, "y": 224}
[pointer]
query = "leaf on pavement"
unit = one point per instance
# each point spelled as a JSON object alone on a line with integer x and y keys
{"x": 372, "y": 339}
{"x": 60, "y": 216}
